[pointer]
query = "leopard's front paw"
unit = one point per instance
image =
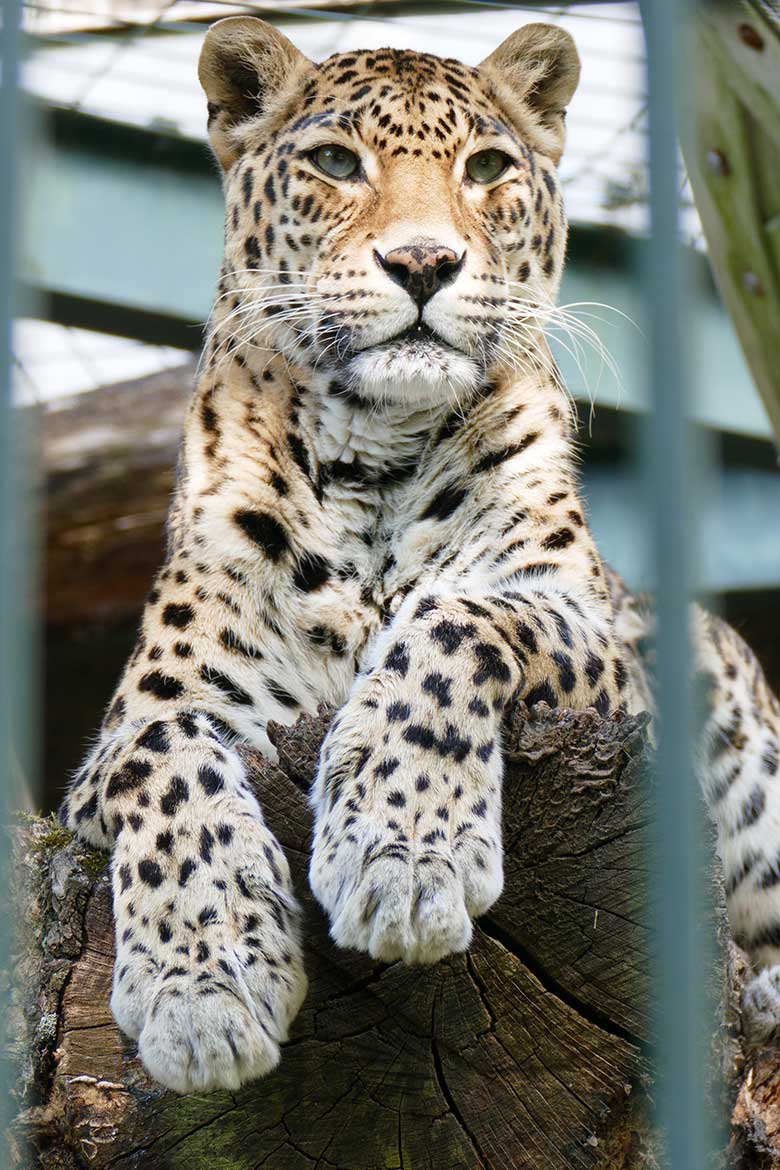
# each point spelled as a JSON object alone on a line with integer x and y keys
{"x": 407, "y": 848}
{"x": 209, "y": 972}
{"x": 761, "y": 1008}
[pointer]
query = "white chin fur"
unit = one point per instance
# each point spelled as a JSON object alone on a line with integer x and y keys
{"x": 413, "y": 374}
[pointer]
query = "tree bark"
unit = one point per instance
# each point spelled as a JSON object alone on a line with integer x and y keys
{"x": 526, "y": 1052}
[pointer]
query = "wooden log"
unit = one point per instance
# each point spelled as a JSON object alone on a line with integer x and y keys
{"x": 109, "y": 458}
{"x": 525, "y": 1053}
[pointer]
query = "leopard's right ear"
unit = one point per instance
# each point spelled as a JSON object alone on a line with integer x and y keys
{"x": 247, "y": 67}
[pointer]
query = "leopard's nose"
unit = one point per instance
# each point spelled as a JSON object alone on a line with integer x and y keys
{"x": 421, "y": 269}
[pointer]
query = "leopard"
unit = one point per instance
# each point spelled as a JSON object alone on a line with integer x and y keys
{"x": 377, "y": 511}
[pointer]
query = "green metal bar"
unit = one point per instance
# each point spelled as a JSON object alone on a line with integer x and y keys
{"x": 9, "y": 110}
{"x": 670, "y": 482}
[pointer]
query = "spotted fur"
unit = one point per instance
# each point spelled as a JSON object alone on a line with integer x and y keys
{"x": 377, "y": 508}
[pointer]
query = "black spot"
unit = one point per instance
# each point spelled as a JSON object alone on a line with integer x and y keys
{"x": 229, "y": 688}
{"x": 491, "y": 664}
{"x": 178, "y": 615}
{"x": 425, "y": 606}
{"x": 566, "y": 676}
{"x": 187, "y": 724}
{"x": 558, "y": 540}
{"x": 264, "y": 531}
{"x": 397, "y": 712}
{"x": 594, "y": 668}
{"x": 527, "y": 637}
{"x": 125, "y": 878}
{"x": 186, "y": 870}
{"x": 386, "y": 768}
{"x": 231, "y": 641}
{"x": 164, "y": 842}
{"x": 208, "y": 915}
{"x": 496, "y": 458}
{"x": 150, "y": 872}
{"x": 437, "y": 685}
{"x": 211, "y": 781}
{"x": 602, "y": 703}
{"x": 422, "y": 736}
{"x": 154, "y": 738}
{"x": 129, "y": 777}
{"x": 299, "y": 453}
{"x": 164, "y": 931}
{"x": 543, "y": 693}
{"x": 247, "y": 185}
{"x": 450, "y": 635}
{"x": 162, "y": 686}
{"x": 175, "y": 795}
{"x": 397, "y": 799}
{"x": 312, "y": 572}
{"x": 397, "y": 659}
{"x": 280, "y": 694}
{"x": 224, "y": 833}
{"x": 445, "y": 502}
{"x": 752, "y": 808}
{"x": 206, "y": 843}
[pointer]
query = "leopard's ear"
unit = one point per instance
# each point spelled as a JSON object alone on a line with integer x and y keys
{"x": 534, "y": 74}
{"x": 246, "y": 67}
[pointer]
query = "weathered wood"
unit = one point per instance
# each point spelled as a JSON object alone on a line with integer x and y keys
{"x": 525, "y": 1053}
{"x": 109, "y": 458}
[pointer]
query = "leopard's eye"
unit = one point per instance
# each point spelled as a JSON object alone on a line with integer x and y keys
{"x": 336, "y": 161}
{"x": 487, "y": 165}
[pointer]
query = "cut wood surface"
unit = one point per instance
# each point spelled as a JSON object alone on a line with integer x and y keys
{"x": 525, "y": 1053}
{"x": 528, "y": 1053}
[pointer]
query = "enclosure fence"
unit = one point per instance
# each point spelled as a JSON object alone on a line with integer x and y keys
{"x": 670, "y": 484}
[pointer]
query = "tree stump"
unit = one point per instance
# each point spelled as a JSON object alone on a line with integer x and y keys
{"x": 525, "y": 1053}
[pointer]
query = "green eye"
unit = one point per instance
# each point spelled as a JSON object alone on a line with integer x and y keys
{"x": 487, "y": 165}
{"x": 336, "y": 161}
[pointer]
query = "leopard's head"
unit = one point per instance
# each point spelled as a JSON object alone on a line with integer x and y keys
{"x": 393, "y": 218}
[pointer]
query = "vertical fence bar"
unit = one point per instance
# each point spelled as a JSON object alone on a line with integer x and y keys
{"x": 669, "y": 480}
{"x": 9, "y": 112}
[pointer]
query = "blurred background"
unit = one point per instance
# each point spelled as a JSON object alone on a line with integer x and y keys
{"x": 120, "y": 255}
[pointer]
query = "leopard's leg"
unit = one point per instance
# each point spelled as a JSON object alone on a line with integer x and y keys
{"x": 208, "y": 971}
{"x": 407, "y": 847}
{"x": 738, "y": 762}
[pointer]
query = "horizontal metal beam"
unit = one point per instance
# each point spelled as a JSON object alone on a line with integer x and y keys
{"x": 128, "y": 19}
{"x": 124, "y": 234}
{"x": 737, "y": 529}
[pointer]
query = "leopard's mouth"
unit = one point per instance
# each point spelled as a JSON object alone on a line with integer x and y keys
{"x": 419, "y": 339}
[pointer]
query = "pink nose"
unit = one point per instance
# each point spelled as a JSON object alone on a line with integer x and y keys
{"x": 421, "y": 269}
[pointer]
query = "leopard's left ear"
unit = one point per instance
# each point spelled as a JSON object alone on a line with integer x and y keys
{"x": 534, "y": 73}
{"x": 247, "y": 67}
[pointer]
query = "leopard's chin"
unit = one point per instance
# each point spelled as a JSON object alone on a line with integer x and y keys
{"x": 417, "y": 368}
